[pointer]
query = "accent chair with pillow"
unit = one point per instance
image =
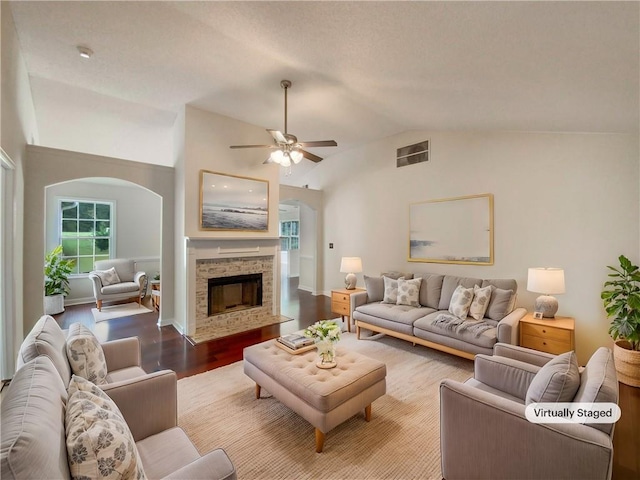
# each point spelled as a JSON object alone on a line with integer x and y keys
{"x": 117, "y": 279}
{"x": 484, "y": 432}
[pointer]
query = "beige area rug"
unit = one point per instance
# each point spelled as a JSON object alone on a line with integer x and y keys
{"x": 220, "y": 331}
{"x": 266, "y": 440}
{"x": 116, "y": 311}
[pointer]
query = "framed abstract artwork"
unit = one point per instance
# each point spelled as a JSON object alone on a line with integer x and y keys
{"x": 230, "y": 202}
{"x": 452, "y": 230}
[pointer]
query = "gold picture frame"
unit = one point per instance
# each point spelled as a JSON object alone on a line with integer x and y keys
{"x": 233, "y": 203}
{"x": 452, "y": 230}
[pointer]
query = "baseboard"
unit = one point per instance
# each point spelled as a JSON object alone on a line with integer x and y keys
{"x": 79, "y": 301}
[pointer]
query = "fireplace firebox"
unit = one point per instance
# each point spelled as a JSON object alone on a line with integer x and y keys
{"x": 230, "y": 294}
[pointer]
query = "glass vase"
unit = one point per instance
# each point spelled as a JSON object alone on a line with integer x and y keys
{"x": 326, "y": 354}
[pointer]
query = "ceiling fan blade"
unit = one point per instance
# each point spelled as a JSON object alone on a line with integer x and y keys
{"x": 278, "y": 136}
{"x": 319, "y": 143}
{"x": 310, "y": 156}
{"x": 253, "y": 146}
{"x": 267, "y": 161}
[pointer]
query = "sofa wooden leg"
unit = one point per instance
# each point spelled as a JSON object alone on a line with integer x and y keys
{"x": 358, "y": 331}
{"x": 319, "y": 441}
{"x": 367, "y": 413}
{"x": 99, "y": 305}
{"x": 258, "y": 391}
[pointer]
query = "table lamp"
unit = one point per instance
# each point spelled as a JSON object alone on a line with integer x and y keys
{"x": 547, "y": 281}
{"x": 350, "y": 266}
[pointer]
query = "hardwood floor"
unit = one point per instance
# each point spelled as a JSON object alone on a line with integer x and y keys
{"x": 164, "y": 348}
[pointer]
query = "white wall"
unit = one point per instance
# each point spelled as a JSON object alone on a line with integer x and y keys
{"x": 17, "y": 128}
{"x": 290, "y": 260}
{"x": 564, "y": 200}
{"x": 138, "y": 221}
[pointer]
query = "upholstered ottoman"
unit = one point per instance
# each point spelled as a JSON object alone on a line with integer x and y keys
{"x": 325, "y": 398}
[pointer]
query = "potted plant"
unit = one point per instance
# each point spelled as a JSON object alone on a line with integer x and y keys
{"x": 621, "y": 299}
{"x": 56, "y": 280}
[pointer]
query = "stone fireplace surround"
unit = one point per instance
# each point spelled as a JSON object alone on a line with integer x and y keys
{"x": 210, "y": 258}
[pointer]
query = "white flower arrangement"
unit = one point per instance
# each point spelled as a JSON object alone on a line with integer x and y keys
{"x": 324, "y": 330}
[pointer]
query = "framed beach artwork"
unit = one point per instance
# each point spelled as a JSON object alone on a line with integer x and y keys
{"x": 230, "y": 202}
{"x": 452, "y": 230}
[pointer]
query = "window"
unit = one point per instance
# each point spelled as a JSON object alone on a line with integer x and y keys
{"x": 289, "y": 235}
{"x": 86, "y": 232}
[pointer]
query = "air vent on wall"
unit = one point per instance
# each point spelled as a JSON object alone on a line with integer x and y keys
{"x": 416, "y": 153}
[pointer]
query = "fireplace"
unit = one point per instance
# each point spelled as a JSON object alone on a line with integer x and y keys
{"x": 231, "y": 294}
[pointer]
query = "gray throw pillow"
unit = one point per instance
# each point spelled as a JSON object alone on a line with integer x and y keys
{"x": 375, "y": 288}
{"x": 480, "y": 303}
{"x": 461, "y": 301}
{"x": 557, "y": 381}
{"x": 390, "y": 290}
{"x": 500, "y": 304}
{"x": 409, "y": 292}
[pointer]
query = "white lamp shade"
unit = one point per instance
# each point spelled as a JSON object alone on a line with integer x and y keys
{"x": 351, "y": 265}
{"x": 277, "y": 156}
{"x": 296, "y": 156}
{"x": 549, "y": 281}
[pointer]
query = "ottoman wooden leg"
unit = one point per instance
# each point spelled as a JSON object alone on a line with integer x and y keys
{"x": 367, "y": 413}
{"x": 319, "y": 441}
{"x": 257, "y": 391}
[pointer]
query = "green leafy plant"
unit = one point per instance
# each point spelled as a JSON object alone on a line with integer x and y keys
{"x": 621, "y": 299}
{"x": 323, "y": 330}
{"x": 56, "y": 273}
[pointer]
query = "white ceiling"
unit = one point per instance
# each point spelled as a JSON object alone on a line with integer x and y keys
{"x": 360, "y": 70}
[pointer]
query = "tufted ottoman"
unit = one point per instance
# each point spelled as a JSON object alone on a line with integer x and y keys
{"x": 325, "y": 398}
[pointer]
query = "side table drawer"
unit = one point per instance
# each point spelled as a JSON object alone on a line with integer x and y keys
{"x": 337, "y": 297}
{"x": 548, "y": 345}
{"x": 340, "y": 307}
{"x": 559, "y": 334}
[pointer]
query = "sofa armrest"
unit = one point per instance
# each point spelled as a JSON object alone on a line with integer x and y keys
{"x": 96, "y": 282}
{"x": 503, "y": 444}
{"x": 149, "y": 404}
{"x": 508, "y": 326}
{"x": 528, "y": 355}
{"x": 357, "y": 299}
{"x": 122, "y": 353}
{"x": 138, "y": 277}
{"x": 215, "y": 465}
{"x": 504, "y": 374}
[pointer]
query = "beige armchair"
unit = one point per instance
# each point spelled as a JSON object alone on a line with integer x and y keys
{"x": 131, "y": 284}
{"x": 484, "y": 432}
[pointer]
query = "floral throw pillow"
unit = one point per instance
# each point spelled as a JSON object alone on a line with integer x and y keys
{"x": 86, "y": 357}
{"x": 390, "y": 290}
{"x": 99, "y": 442}
{"x": 409, "y": 292}
{"x": 481, "y": 297}
{"x": 461, "y": 301}
{"x": 108, "y": 277}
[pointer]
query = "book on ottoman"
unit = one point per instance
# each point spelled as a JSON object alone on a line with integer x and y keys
{"x": 295, "y": 341}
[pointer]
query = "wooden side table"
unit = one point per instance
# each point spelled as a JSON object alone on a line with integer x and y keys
{"x": 155, "y": 294}
{"x": 551, "y": 335}
{"x": 341, "y": 303}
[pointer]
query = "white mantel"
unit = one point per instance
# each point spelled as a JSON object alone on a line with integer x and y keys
{"x": 198, "y": 248}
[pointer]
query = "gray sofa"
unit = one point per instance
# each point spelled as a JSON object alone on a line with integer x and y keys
{"x": 494, "y": 403}
{"x": 34, "y": 442}
{"x": 423, "y": 324}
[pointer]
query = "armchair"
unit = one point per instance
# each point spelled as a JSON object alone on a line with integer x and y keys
{"x": 130, "y": 286}
{"x": 484, "y": 432}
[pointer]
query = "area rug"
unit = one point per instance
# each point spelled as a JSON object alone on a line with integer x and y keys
{"x": 116, "y": 311}
{"x": 266, "y": 440}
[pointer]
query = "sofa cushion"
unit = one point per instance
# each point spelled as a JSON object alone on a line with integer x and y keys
{"x": 166, "y": 452}
{"x": 430, "y": 289}
{"x": 501, "y": 304}
{"x": 124, "y": 287}
{"x": 485, "y": 338}
{"x": 449, "y": 284}
{"x": 390, "y": 290}
{"x": 461, "y": 301}
{"x": 33, "y": 435}
{"x": 409, "y": 292}
{"x": 375, "y": 288}
{"x": 46, "y": 338}
{"x": 85, "y": 354}
{"x": 124, "y": 267}
{"x": 396, "y": 275}
{"x": 395, "y": 313}
{"x": 107, "y": 277}
{"x": 481, "y": 298}
{"x": 99, "y": 442}
{"x": 557, "y": 381}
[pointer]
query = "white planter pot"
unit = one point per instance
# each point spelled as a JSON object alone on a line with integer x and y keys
{"x": 53, "y": 304}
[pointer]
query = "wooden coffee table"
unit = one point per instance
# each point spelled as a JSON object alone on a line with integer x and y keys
{"x": 325, "y": 398}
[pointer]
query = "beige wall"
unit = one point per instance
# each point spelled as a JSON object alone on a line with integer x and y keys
{"x": 47, "y": 166}
{"x": 565, "y": 200}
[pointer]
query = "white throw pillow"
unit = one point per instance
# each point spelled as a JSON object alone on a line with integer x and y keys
{"x": 99, "y": 442}
{"x": 86, "y": 357}
{"x": 108, "y": 277}
{"x": 390, "y": 290}
{"x": 461, "y": 301}
{"x": 409, "y": 292}
{"x": 481, "y": 298}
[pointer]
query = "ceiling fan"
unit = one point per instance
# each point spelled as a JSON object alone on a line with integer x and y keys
{"x": 287, "y": 148}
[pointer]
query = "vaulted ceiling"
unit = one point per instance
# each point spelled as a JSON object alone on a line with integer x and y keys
{"x": 360, "y": 70}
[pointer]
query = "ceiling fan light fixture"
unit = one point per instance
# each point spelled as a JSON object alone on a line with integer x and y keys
{"x": 277, "y": 156}
{"x": 296, "y": 156}
{"x": 286, "y": 160}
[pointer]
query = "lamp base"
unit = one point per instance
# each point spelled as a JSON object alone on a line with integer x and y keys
{"x": 547, "y": 305}
{"x": 350, "y": 281}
